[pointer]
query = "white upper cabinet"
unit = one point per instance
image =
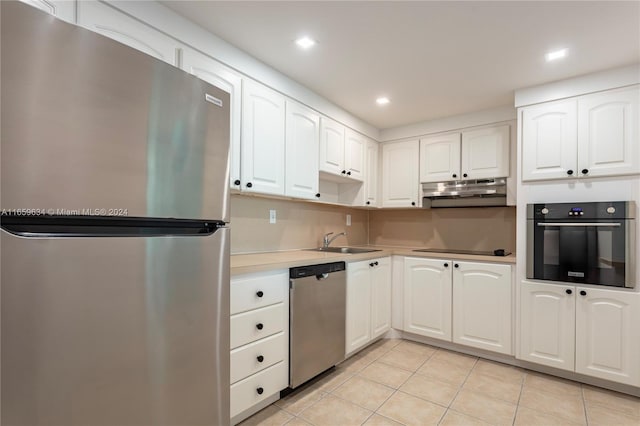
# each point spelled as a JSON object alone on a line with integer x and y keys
{"x": 263, "y": 139}
{"x": 63, "y": 9}
{"x": 215, "y": 73}
{"x": 354, "y": 147}
{"x": 111, "y": 23}
{"x": 473, "y": 154}
{"x": 440, "y": 158}
{"x": 485, "y": 153}
{"x": 427, "y": 297}
{"x": 547, "y": 324}
{"x": 331, "y": 146}
{"x": 482, "y": 306}
{"x": 400, "y": 178}
{"x": 607, "y": 335}
{"x": 358, "y": 316}
{"x": 608, "y": 137}
{"x": 371, "y": 180}
{"x": 302, "y": 143}
{"x": 591, "y": 135}
{"x": 380, "y": 297}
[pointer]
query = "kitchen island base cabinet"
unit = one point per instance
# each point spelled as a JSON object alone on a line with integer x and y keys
{"x": 590, "y": 331}
{"x": 368, "y": 302}
{"x": 482, "y": 306}
{"x": 427, "y": 297}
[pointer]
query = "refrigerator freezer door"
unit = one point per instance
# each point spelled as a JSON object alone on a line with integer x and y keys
{"x": 90, "y": 124}
{"x": 115, "y": 330}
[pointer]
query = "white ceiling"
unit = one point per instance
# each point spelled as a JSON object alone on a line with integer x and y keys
{"x": 432, "y": 59}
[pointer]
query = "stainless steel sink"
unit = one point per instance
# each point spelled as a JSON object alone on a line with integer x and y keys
{"x": 347, "y": 250}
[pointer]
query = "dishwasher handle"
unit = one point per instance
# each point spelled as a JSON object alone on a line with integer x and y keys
{"x": 321, "y": 277}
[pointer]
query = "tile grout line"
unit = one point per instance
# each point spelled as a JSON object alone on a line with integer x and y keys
{"x": 584, "y": 405}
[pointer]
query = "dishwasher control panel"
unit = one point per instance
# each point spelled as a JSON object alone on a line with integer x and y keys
{"x": 313, "y": 270}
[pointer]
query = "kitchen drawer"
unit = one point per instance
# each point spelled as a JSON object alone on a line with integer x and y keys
{"x": 244, "y": 360}
{"x": 244, "y": 394}
{"x": 248, "y": 327}
{"x": 258, "y": 290}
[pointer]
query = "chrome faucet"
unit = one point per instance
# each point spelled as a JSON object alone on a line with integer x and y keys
{"x": 326, "y": 240}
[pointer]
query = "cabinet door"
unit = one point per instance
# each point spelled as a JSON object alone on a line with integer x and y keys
{"x": 354, "y": 154}
{"x": 358, "y": 327}
{"x": 215, "y": 73}
{"x": 380, "y": 297}
{"x": 331, "y": 146}
{"x": 549, "y": 140}
{"x": 427, "y": 297}
{"x": 63, "y": 9}
{"x": 607, "y": 335}
{"x": 301, "y": 148}
{"x": 547, "y": 324}
{"x": 485, "y": 153}
{"x": 482, "y": 306}
{"x": 400, "y": 179}
{"x": 440, "y": 158}
{"x": 371, "y": 179}
{"x": 111, "y": 23}
{"x": 608, "y": 134}
{"x": 262, "y": 161}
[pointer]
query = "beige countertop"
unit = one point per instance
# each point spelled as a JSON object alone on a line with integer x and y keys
{"x": 257, "y": 262}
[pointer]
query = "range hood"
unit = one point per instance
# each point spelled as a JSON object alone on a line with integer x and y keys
{"x": 468, "y": 193}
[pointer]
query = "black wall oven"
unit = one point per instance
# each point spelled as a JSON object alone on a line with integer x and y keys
{"x": 585, "y": 243}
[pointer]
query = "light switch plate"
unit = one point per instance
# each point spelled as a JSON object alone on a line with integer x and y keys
{"x": 348, "y": 220}
{"x": 272, "y": 216}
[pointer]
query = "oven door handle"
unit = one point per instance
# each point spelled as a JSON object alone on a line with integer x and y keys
{"x": 603, "y": 225}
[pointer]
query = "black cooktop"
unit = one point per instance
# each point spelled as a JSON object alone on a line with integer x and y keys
{"x": 473, "y": 252}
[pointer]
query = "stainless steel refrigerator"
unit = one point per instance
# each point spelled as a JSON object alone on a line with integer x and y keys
{"x": 114, "y": 245}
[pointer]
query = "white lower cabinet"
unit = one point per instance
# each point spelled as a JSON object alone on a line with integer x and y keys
{"x": 427, "y": 297}
{"x": 368, "y": 301}
{"x": 590, "y": 331}
{"x": 482, "y": 306}
{"x": 259, "y": 337}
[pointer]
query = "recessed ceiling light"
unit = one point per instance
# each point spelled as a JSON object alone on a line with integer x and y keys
{"x": 382, "y": 100}
{"x": 556, "y": 54}
{"x": 305, "y": 42}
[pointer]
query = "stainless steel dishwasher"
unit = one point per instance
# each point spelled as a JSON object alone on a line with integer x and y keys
{"x": 317, "y": 308}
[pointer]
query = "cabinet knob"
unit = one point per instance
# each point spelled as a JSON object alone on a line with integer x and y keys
{"x": 349, "y": 173}
{"x": 465, "y": 175}
{"x": 236, "y": 182}
{"x": 413, "y": 203}
{"x": 371, "y": 265}
{"x": 259, "y": 326}
{"x": 454, "y": 175}
{"x": 569, "y": 172}
{"x": 455, "y": 265}
{"x": 260, "y": 293}
{"x": 446, "y": 265}
{"x": 318, "y": 195}
{"x": 344, "y": 172}
{"x": 585, "y": 171}
{"x": 260, "y": 391}
{"x": 583, "y": 293}
{"x": 249, "y": 184}
{"x": 260, "y": 358}
{"x": 368, "y": 202}
{"x": 568, "y": 291}
{"x": 375, "y": 263}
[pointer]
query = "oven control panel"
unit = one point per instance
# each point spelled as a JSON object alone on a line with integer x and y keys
{"x": 582, "y": 211}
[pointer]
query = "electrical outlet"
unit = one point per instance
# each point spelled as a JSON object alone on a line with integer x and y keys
{"x": 272, "y": 216}
{"x": 348, "y": 220}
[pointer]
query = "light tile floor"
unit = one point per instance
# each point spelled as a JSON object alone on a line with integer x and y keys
{"x": 398, "y": 382}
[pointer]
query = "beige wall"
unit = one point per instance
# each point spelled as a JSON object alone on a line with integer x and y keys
{"x": 485, "y": 228}
{"x": 299, "y": 224}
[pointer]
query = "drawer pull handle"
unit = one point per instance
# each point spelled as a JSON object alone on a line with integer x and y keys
{"x": 260, "y": 391}
{"x": 260, "y": 358}
{"x": 260, "y": 294}
{"x": 259, "y": 326}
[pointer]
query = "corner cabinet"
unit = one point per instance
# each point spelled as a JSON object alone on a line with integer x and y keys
{"x": 587, "y": 136}
{"x": 103, "y": 19}
{"x": 342, "y": 150}
{"x": 586, "y": 330}
{"x": 368, "y": 302}
{"x": 482, "y": 306}
{"x": 213, "y": 72}
{"x": 302, "y": 138}
{"x": 400, "y": 176}
{"x": 263, "y": 139}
